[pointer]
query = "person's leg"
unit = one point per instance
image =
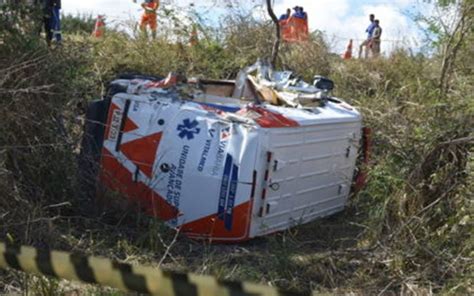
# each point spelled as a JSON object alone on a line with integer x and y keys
{"x": 143, "y": 24}
{"x": 59, "y": 36}
{"x": 361, "y": 48}
{"x": 368, "y": 48}
{"x": 153, "y": 27}
{"x": 376, "y": 49}
{"x": 41, "y": 26}
{"x": 48, "y": 30}
{"x": 57, "y": 25}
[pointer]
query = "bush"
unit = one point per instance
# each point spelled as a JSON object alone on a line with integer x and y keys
{"x": 82, "y": 24}
{"x": 409, "y": 229}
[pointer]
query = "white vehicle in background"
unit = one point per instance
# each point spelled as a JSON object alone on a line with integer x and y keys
{"x": 226, "y": 160}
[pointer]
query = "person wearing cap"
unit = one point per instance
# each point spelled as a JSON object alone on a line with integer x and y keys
{"x": 295, "y": 9}
{"x": 303, "y": 13}
{"x": 299, "y": 13}
{"x": 298, "y": 25}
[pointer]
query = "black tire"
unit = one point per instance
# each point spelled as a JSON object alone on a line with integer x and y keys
{"x": 91, "y": 146}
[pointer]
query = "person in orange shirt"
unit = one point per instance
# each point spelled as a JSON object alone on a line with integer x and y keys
{"x": 149, "y": 17}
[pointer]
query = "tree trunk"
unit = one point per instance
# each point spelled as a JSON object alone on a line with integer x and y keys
{"x": 453, "y": 45}
{"x": 276, "y": 45}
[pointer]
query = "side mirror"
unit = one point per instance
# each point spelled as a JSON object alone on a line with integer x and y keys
{"x": 323, "y": 83}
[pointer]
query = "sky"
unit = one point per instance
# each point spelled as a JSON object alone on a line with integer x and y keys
{"x": 340, "y": 20}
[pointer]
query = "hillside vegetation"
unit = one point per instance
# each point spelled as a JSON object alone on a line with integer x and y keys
{"x": 409, "y": 231}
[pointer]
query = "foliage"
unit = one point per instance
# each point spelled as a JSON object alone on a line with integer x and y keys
{"x": 11, "y": 16}
{"x": 409, "y": 231}
{"x": 78, "y": 24}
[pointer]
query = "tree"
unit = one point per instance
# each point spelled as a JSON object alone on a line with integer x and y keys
{"x": 276, "y": 45}
{"x": 450, "y": 34}
{"x": 463, "y": 26}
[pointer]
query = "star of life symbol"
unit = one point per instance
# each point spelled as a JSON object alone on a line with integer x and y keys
{"x": 188, "y": 129}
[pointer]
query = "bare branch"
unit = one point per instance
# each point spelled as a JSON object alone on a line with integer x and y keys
{"x": 276, "y": 45}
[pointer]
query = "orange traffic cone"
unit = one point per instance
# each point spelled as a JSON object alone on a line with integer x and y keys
{"x": 194, "y": 40}
{"x": 99, "y": 28}
{"x": 348, "y": 53}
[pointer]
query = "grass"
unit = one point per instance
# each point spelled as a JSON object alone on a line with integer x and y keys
{"x": 409, "y": 230}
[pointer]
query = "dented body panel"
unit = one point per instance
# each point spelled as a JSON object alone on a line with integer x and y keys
{"x": 224, "y": 168}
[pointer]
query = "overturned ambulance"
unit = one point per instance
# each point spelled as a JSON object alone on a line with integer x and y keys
{"x": 226, "y": 160}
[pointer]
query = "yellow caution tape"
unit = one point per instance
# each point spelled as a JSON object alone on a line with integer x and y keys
{"x": 126, "y": 277}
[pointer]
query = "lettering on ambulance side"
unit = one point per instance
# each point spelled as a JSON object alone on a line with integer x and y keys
{"x": 225, "y": 134}
{"x": 204, "y": 155}
{"x": 136, "y": 106}
{"x": 228, "y": 192}
{"x": 115, "y": 124}
{"x": 187, "y": 130}
{"x": 231, "y": 198}
{"x": 224, "y": 187}
{"x": 212, "y": 132}
{"x": 206, "y": 150}
{"x": 227, "y": 198}
{"x": 176, "y": 181}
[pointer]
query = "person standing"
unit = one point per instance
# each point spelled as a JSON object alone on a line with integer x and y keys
{"x": 47, "y": 13}
{"x": 303, "y": 13}
{"x": 299, "y": 12}
{"x": 149, "y": 17}
{"x": 376, "y": 39}
{"x": 56, "y": 20}
{"x": 366, "y": 43}
{"x": 51, "y": 19}
{"x": 286, "y": 16}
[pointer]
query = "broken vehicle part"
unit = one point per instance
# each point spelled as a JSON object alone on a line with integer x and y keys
{"x": 226, "y": 160}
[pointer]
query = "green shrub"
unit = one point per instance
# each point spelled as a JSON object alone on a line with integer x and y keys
{"x": 410, "y": 228}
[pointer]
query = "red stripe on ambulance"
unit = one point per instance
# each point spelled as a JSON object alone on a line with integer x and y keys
{"x": 142, "y": 152}
{"x": 212, "y": 227}
{"x": 117, "y": 178}
{"x": 129, "y": 126}
{"x": 269, "y": 119}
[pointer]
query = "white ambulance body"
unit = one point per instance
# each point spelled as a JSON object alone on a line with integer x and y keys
{"x": 224, "y": 168}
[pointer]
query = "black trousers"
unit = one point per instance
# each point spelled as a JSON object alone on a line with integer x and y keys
{"x": 48, "y": 29}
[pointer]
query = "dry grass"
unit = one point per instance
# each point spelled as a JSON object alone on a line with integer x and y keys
{"x": 409, "y": 231}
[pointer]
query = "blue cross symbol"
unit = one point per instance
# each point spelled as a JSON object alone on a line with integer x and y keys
{"x": 188, "y": 129}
